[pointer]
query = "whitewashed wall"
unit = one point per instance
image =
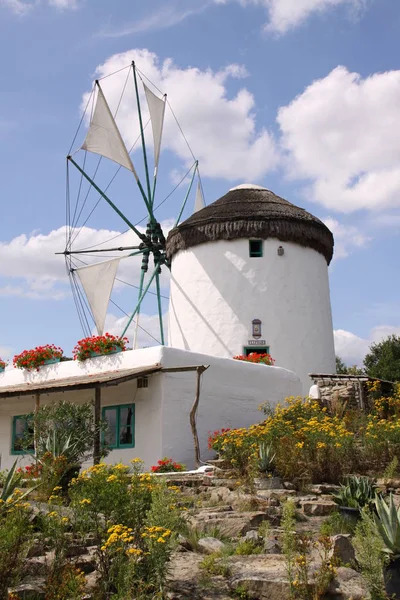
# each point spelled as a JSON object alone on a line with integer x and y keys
{"x": 230, "y": 395}
{"x": 217, "y": 290}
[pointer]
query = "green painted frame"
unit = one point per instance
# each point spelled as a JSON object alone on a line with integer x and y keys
{"x": 258, "y": 349}
{"x": 13, "y": 435}
{"x": 256, "y": 253}
{"x": 118, "y": 407}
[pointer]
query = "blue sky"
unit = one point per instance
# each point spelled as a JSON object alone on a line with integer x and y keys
{"x": 302, "y": 97}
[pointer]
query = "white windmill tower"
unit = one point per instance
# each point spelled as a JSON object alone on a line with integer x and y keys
{"x": 249, "y": 272}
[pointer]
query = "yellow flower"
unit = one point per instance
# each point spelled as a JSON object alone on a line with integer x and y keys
{"x": 135, "y": 460}
{"x": 64, "y": 520}
{"x": 299, "y": 444}
{"x": 112, "y": 478}
{"x": 161, "y": 540}
{"x": 321, "y": 445}
{"x": 85, "y": 501}
{"x": 135, "y": 551}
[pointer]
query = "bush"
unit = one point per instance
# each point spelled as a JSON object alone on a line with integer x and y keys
{"x": 307, "y": 442}
{"x": 167, "y": 465}
{"x": 15, "y": 534}
{"x": 136, "y": 517}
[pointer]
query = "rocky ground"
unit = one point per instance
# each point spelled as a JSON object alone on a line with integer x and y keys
{"x": 205, "y": 565}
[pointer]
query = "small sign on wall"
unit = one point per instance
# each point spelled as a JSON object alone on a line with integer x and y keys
{"x": 257, "y": 343}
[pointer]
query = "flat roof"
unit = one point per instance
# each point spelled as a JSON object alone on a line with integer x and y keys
{"x": 346, "y": 376}
{"x": 81, "y": 382}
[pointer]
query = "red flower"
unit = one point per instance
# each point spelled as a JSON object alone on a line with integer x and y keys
{"x": 100, "y": 344}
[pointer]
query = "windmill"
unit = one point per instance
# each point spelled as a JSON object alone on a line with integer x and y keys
{"x": 93, "y": 281}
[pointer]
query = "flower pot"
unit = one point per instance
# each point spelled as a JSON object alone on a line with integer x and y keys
{"x": 51, "y": 361}
{"x": 268, "y": 483}
{"x": 351, "y": 515}
{"x": 392, "y": 579}
{"x": 115, "y": 350}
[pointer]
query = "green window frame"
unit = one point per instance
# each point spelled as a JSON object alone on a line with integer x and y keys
{"x": 20, "y": 427}
{"x": 255, "y": 248}
{"x": 121, "y": 426}
{"x": 259, "y": 349}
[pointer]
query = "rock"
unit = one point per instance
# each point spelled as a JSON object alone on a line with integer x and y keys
{"x": 262, "y": 576}
{"x": 29, "y": 591}
{"x": 347, "y": 584}
{"x": 184, "y": 580}
{"x": 278, "y": 494}
{"x": 269, "y": 483}
{"x": 324, "y": 488}
{"x": 265, "y": 577}
{"x": 288, "y": 485}
{"x": 210, "y": 545}
{"x": 271, "y": 546}
{"x": 319, "y": 509}
{"x": 230, "y": 523}
{"x": 252, "y": 536}
{"x": 184, "y": 544}
{"x": 342, "y": 549}
{"x": 35, "y": 566}
{"x": 221, "y": 494}
{"x": 38, "y": 548}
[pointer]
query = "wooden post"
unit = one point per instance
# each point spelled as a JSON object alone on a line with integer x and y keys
{"x": 96, "y": 440}
{"x": 37, "y": 406}
{"x": 199, "y": 372}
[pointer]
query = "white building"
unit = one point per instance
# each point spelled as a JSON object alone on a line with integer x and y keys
{"x": 250, "y": 273}
{"x": 147, "y": 396}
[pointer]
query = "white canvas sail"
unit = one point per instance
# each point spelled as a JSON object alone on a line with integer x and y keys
{"x": 157, "y": 111}
{"x": 97, "y": 281}
{"x": 104, "y": 137}
{"x": 199, "y": 201}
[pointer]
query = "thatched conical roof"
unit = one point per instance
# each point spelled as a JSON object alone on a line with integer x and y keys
{"x": 250, "y": 211}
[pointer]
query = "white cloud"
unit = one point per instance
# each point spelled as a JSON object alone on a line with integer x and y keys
{"x": 347, "y": 238}
{"x": 284, "y": 15}
{"x": 352, "y": 348}
{"x": 22, "y": 7}
{"x": 168, "y": 16}
{"x": 220, "y": 128}
{"x": 341, "y": 134}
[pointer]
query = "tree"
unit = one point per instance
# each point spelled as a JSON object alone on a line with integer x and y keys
{"x": 343, "y": 369}
{"x": 383, "y": 359}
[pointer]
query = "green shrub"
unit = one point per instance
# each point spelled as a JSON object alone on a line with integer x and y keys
{"x": 247, "y": 547}
{"x": 370, "y": 557}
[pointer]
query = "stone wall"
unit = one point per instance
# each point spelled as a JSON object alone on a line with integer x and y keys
{"x": 349, "y": 393}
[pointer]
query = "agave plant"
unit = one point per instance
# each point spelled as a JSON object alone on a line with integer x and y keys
{"x": 356, "y": 493}
{"x": 266, "y": 458}
{"x": 388, "y": 522}
{"x": 10, "y": 485}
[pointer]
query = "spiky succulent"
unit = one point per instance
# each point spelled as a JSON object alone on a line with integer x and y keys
{"x": 388, "y": 523}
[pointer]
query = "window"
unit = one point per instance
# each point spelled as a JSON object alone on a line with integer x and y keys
{"x": 259, "y": 349}
{"x": 255, "y": 248}
{"x": 121, "y": 426}
{"x": 21, "y": 432}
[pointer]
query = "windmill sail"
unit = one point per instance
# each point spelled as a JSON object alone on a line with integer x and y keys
{"x": 104, "y": 137}
{"x": 199, "y": 201}
{"x": 97, "y": 282}
{"x": 157, "y": 111}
